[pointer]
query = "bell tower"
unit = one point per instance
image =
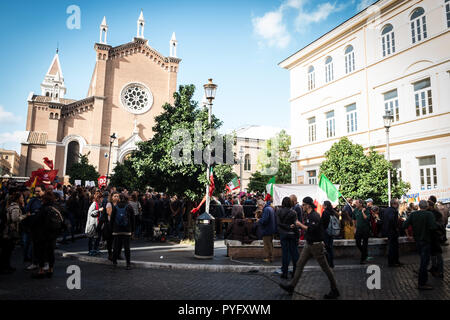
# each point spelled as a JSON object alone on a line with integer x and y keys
{"x": 140, "y": 26}
{"x": 53, "y": 84}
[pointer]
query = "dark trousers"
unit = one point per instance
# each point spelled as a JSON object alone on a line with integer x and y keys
{"x": 328, "y": 240}
{"x": 109, "y": 245}
{"x": 45, "y": 250}
{"x": 362, "y": 242}
{"x": 7, "y": 248}
{"x": 27, "y": 246}
{"x": 289, "y": 249}
{"x": 148, "y": 227}
{"x": 393, "y": 255}
{"x": 424, "y": 252}
{"x": 119, "y": 242}
{"x": 93, "y": 243}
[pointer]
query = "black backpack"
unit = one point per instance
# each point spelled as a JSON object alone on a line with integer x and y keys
{"x": 54, "y": 219}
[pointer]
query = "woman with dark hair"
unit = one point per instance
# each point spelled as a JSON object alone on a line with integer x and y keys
{"x": 92, "y": 223}
{"x": 289, "y": 235}
{"x": 348, "y": 231}
{"x": 327, "y": 215}
{"x": 46, "y": 227}
{"x": 122, "y": 224}
{"x": 238, "y": 229}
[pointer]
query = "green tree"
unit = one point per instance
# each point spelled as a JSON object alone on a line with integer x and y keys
{"x": 360, "y": 175}
{"x": 258, "y": 182}
{"x": 153, "y": 161}
{"x": 83, "y": 171}
{"x": 282, "y": 143}
{"x": 125, "y": 176}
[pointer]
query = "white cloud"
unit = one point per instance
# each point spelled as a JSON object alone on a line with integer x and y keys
{"x": 364, "y": 4}
{"x": 12, "y": 140}
{"x": 272, "y": 26}
{"x": 7, "y": 117}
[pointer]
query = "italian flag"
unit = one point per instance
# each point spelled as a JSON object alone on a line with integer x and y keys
{"x": 269, "y": 186}
{"x": 233, "y": 185}
{"x": 326, "y": 191}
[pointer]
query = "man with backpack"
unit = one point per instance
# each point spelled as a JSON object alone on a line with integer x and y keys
{"x": 122, "y": 225}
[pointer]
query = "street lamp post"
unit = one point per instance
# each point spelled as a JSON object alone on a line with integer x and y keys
{"x": 210, "y": 95}
{"x": 241, "y": 155}
{"x": 388, "y": 118}
{"x": 112, "y": 138}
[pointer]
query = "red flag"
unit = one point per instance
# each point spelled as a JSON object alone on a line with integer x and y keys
{"x": 102, "y": 181}
{"x": 211, "y": 183}
{"x": 195, "y": 210}
{"x": 49, "y": 163}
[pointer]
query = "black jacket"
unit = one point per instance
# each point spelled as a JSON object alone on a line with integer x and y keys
{"x": 285, "y": 218}
{"x": 238, "y": 231}
{"x": 128, "y": 229}
{"x": 390, "y": 222}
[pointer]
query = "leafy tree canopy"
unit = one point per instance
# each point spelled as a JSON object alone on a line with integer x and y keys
{"x": 82, "y": 171}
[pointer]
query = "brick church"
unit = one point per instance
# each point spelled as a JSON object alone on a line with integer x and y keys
{"x": 130, "y": 84}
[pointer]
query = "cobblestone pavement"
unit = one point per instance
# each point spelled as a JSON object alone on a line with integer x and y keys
{"x": 105, "y": 282}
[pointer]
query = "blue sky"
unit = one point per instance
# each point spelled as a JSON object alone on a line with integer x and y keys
{"x": 237, "y": 43}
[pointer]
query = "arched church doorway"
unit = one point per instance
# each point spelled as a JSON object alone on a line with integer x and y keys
{"x": 73, "y": 154}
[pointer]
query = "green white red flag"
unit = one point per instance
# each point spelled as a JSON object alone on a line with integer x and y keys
{"x": 326, "y": 191}
{"x": 233, "y": 185}
{"x": 269, "y": 186}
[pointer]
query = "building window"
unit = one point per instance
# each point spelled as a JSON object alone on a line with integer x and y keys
{"x": 391, "y": 104}
{"x": 247, "y": 165}
{"x": 311, "y": 78}
{"x": 447, "y": 11}
{"x": 422, "y": 95}
{"x": 312, "y": 177}
{"x": 329, "y": 72}
{"x": 6, "y": 157}
{"x": 387, "y": 40}
{"x": 428, "y": 173}
{"x": 352, "y": 121}
{"x": 397, "y": 165}
{"x": 312, "y": 129}
{"x": 418, "y": 25}
{"x": 47, "y": 94}
{"x": 349, "y": 59}
{"x": 331, "y": 125}
{"x": 51, "y": 115}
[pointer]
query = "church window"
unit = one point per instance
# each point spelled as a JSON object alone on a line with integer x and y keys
{"x": 51, "y": 115}
{"x": 73, "y": 154}
{"x": 136, "y": 98}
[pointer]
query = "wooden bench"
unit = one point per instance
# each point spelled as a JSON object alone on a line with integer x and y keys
{"x": 342, "y": 248}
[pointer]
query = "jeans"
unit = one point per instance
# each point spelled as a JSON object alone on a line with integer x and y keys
{"x": 437, "y": 263}
{"x": 27, "y": 246}
{"x": 393, "y": 256}
{"x": 93, "y": 243}
{"x": 424, "y": 252}
{"x": 362, "y": 242}
{"x": 317, "y": 251}
{"x": 138, "y": 225}
{"x": 289, "y": 248}
{"x": 329, "y": 247}
{"x": 120, "y": 241}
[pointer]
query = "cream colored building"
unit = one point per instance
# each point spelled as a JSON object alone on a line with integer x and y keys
{"x": 252, "y": 140}
{"x": 130, "y": 84}
{"x": 394, "y": 55}
{"x": 13, "y": 159}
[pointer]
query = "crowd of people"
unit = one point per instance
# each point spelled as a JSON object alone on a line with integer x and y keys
{"x": 114, "y": 217}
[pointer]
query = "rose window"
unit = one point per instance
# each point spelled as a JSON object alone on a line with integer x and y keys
{"x": 137, "y": 98}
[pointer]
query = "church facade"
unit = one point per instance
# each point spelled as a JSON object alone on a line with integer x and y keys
{"x": 129, "y": 86}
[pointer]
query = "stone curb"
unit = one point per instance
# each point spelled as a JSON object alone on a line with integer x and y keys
{"x": 195, "y": 267}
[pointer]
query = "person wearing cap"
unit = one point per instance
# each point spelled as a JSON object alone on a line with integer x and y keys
{"x": 314, "y": 247}
{"x": 391, "y": 231}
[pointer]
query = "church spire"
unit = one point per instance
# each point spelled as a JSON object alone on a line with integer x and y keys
{"x": 173, "y": 46}
{"x": 53, "y": 84}
{"x": 140, "y": 25}
{"x": 103, "y": 31}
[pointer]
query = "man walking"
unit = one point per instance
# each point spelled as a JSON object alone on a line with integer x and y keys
{"x": 362, "y": 223}
{"x": 268, "y": 228}
{"x": 390, "y": 230}
{"x": 314, "y": 247}
{"x": 423, "y": 225}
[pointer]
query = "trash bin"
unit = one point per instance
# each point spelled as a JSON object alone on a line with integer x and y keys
{"x": 204, "y": 237}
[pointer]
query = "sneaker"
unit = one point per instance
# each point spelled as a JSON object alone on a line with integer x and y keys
{"x": 287, "y": 287}
{"x": 425, "y": 287}
{"x": 334, "y": 294}
{"x": 46, "y": 267}
{"x": 32, "y": 267}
